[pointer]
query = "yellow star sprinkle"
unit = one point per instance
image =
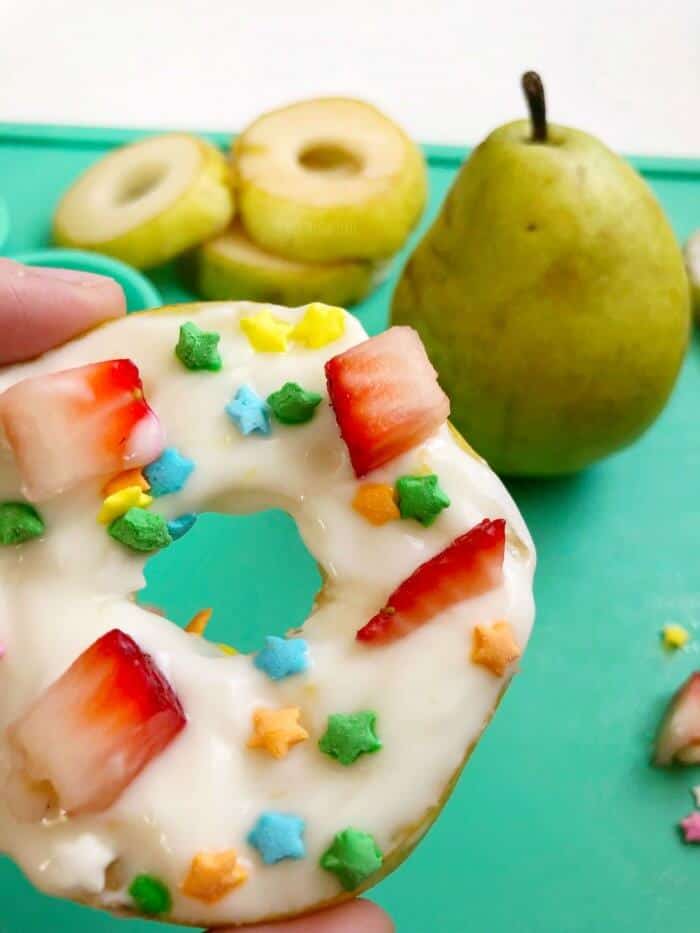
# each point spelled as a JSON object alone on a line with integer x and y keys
{"x": 276, "y": 730}
{"x": 376, "y": 503}
{"x": 199, "y": 621}
{"x": 494, "y": 647}
{"x": 266, "y": 333}
{"x": 320, "y": 325}
{"x": 675, "y": 636}
{"x": 125, "y": 479}
{"x": 213, "y": 875}
{"x": 227, "y": 649}
{"x": 120, "y": 502}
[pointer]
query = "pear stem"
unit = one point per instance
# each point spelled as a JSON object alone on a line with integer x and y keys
{"x": 534, "y": 94}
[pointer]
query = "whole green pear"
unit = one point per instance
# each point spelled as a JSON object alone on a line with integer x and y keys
{"x": 551, "y": 296}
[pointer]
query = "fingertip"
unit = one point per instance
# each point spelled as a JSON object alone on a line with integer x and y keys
{"x": 41, "y": 308}
{"x": 352, "y": 917}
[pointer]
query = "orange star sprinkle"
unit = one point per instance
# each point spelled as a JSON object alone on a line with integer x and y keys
{"x": 213, "y": 875}
{"x": 376, "y": 503}
{"x": 199, "y": 621}
{"x": 124, "y": 480}
{"x": 276, "y": 730}
{"x": 494, "y": 647}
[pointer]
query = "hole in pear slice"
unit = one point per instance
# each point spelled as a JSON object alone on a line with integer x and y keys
{"x": 253, "y": 570}
{"x": 138, "y": 182}
{"x": 330, "y": 159}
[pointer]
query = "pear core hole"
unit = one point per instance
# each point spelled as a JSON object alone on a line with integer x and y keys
{"x": 330, "y": 159}
{"x": 141, "y": 180}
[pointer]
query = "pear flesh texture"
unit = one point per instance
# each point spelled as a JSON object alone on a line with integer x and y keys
{"x": 552, "y": 298}
{"x": 149, "y": 201}
{"x": 692, "y": 262}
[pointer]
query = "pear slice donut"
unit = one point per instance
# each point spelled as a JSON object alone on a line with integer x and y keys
{"x": 145, "y": 771}
{"x": 231, "y": 266}
{"x": 149, "y": 201}
{"x": 329, "y": 179}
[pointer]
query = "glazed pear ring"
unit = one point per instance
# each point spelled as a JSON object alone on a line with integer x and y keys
{"x": 147, "y": 771}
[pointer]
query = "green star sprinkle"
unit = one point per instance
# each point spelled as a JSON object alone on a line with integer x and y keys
{"x": 353, "y": 857}
{"x": 19, "y": 522}
{"x": 141, "y": 530}
{"x": 198, "y": 349}
{"x": 349, "y": 736}
{"x": 150, "y": 895}
{"x": 421, "y": 497}
{"x": 293, "y": 405}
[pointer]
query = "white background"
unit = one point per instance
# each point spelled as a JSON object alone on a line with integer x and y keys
{"x": 448, "y": 70}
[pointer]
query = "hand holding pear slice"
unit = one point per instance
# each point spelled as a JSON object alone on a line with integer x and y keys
{"x": 147, "y": 202}
{"x": 329, "y": 179}
{"x": 232, "y": 267}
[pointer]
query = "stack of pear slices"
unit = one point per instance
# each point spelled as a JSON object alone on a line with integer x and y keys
{"x": 327, "y": 192}
{"x": 312, "y": 204}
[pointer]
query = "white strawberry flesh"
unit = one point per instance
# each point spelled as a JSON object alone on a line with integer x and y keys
{"x": 68, "y": 427}
{"x": 386, "y": 397}
{"x": 93, "y": 731}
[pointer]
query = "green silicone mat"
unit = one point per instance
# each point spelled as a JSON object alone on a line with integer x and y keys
{"x": 558, "y": 825}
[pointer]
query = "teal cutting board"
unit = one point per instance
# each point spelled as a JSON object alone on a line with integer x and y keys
{"x": 559, "y": 824}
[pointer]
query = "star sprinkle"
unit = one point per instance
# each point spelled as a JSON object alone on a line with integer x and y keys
{"x": 277, "y": 730}
{"x": 213, "y": 875}
{"x": 293, "y": 405}
{"x": 199, "y": 621}
{"x": 125, "y": 479}
{"x": 421, "y": 497}
{"x": 376, "y": 503}
{"x": 349, "y": 736}
{"x": 674, "y": 636}
{"x": 353, "y": 857}
{"x": 278, "y": 836}
{"x": 266, "y": 333}
{"x": 169, "y": 472}
{"x": 140, "y": 530}
{"x": 19, "y": 522}
{"x": 249, "y": 412}
{"x": 320, "y": 325}
{"x": 198, "y": 349}
{"x": 177, "y": 527}
{"x": 150, "y": 895}
{"x": 494, "y": 648}
{"x": 120, "y": 502}
{"x": 282, "y": 657}
{"x": 691, "y": 827}
{"x": 227, "y": 649}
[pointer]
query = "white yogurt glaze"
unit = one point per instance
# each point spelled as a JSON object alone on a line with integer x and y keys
{"x": 206, "y": 791}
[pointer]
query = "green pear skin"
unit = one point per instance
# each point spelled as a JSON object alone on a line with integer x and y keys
{"x": 552, "y": 298}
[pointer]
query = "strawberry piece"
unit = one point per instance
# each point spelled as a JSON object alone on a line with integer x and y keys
{"x": 96, "y": 728}
{"x": 71, "y": 426}
{"x": 679, "y": 735}
{"x": 385, "y": 397}
{"x": 470, "y": 566}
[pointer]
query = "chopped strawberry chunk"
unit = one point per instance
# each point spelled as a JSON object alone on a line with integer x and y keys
{"x": 679, "y": 736}
{"x": 385, "y": 396}
{"x": 71, "y": 426}
{"x": 96, "y": 728}
{"x": 470, "y": 566}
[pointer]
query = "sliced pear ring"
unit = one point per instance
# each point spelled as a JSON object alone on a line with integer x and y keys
{"x": 329, "y": 179}
{"x": 692, "y": 264}
{"x": 147, "y": 202}
{"x": 231, "y": 266}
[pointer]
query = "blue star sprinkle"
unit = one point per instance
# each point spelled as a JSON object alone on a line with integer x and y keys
{"x": 249, "y": 412}
{"x": 282, "y": 657}
{"x": 179, "y": 526}
{"x": 277, "y": 836}
{"x": 169, "y": 472}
